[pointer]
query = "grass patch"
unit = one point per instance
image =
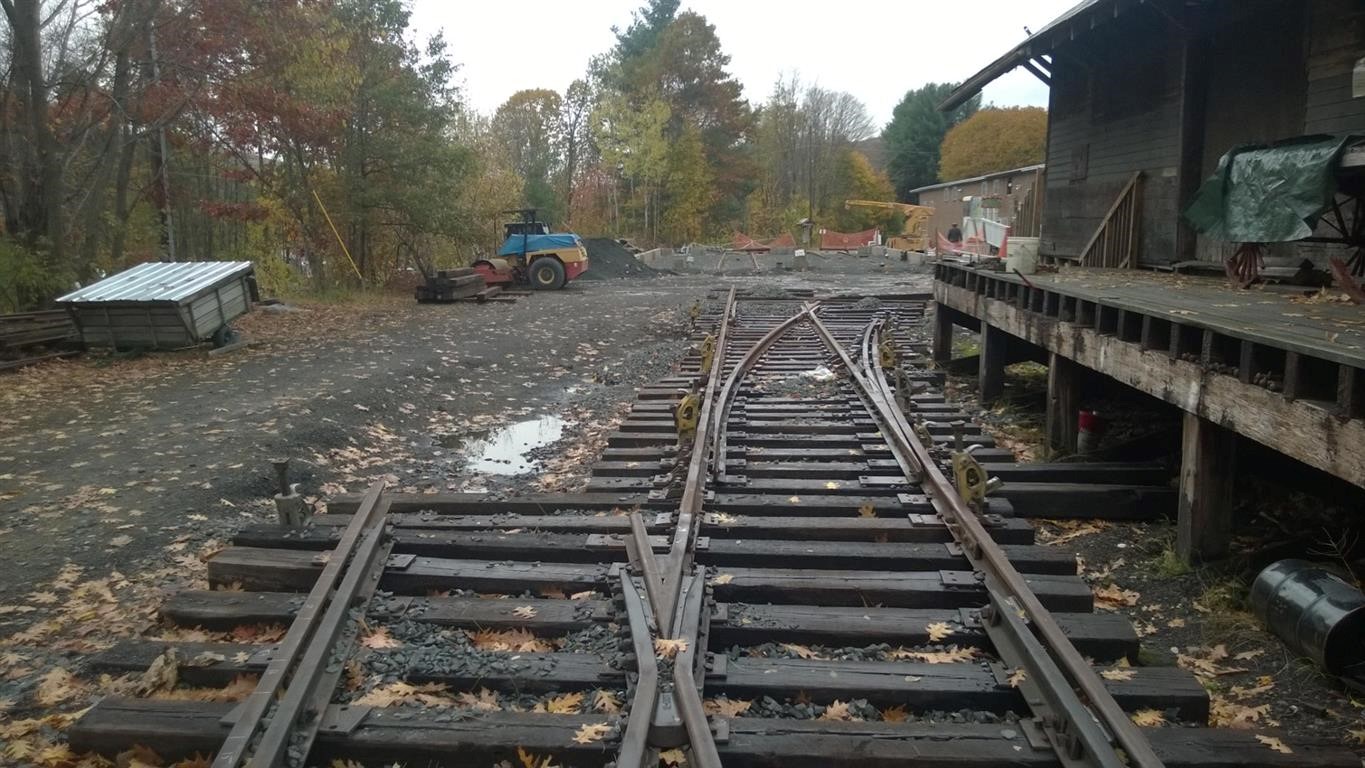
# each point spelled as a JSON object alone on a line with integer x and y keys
{"x": 1169, "y": 565}
{"x": 1224, "y": 605}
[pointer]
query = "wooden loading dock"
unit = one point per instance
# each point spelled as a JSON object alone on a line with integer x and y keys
{"x": 1286, "y": 374}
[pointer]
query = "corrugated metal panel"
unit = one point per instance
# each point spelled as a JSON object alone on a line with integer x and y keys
{"x": 159, "y": 281}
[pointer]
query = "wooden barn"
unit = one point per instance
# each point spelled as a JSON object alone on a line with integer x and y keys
{"x": 1146, "y": 99}
{"x": 1147, "y": 95}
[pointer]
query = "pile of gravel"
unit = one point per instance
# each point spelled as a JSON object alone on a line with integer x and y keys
{"x": 609, "y": 259}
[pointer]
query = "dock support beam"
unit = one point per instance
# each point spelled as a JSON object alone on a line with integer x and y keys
{"x": 943, "y": 333}
{"x": 994, "y": 357}
{"x": 1063, "y": 403}
{"x": 1207, "y": 471}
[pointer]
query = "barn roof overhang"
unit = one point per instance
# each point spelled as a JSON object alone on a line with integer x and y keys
{"x": 1034, "y": 53}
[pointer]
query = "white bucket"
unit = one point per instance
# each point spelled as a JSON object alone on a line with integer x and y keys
{"x": 1021, "y": 253}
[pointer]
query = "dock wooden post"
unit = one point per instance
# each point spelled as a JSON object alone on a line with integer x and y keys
{"x": 994, "y": 358}
{"x": 943, "y": 333}
{"x": 1207, "y": 471}
{"x": 1063, "y": 403}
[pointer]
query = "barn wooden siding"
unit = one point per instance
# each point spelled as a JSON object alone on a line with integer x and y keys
{"x": 1256, "y": 72}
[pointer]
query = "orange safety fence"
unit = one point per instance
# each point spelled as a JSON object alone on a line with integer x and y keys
{"x": 846, "y": 241}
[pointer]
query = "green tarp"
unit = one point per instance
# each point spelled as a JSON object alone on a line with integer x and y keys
{"x": 1269, "y": 194}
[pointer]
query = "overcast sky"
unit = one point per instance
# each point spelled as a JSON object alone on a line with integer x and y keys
{"x": 874, "y": 49}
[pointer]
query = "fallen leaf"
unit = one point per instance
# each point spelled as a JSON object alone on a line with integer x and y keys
{"x": 524, "y": 612}
{"x": 584, "y": 595}
{"x": 836, "y": 711}
{"x": 57, "y": 686}
{"x": 484, "y": 701}
{"x": 667, "y": 648}
{"x": 567, "y": 704}
{"x": 673, "y": 756}
{"x": 1275, "y": 744}
{"x": 591, "y": 733}
{"x": 939, "y": 631}
{"x": 1149, "y": 718}
{"x": 896, "y": 714}
{"x": 831, "y": 485}
{"x": 1113, "y": 597}
{"x": 867, "y": 510}
{"x": 1249, "y": 655}
{"x": 795, "y": 499}
{"x": 801, "y": 651}
{"x": 1017, "y": 678}
{"x": 606, "y": 702}
{"x": 726, "y": 707}
{"x": 951, "y": 655}
{"x": 723, "y": 578}
{"x": 379, "y": 639}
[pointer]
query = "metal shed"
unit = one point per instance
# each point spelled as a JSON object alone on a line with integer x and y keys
{"x": 161, "y": 305}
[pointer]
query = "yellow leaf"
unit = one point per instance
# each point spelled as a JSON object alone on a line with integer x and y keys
{"x": 795, "y": 499}
{"x": 1117, "y": 673}
{"x": 896, "y": 714}
{"x": 952, "y": 655}
{"x": 484, "y": 701}
{"x": 59, "y": 685}
{"x": 723, "y": 578}
{"x": 667, "y": 648}
{"x": 1275, "y": 744}
{"x": 801, "y": 651}
{"x": 591, "y": 733}
{"x": 524, "y": 612}
{"x": 517, "y": 640}
{"x": 1017, "y": 678}
{"x": 726, "y": 707}
{"x": 673, "y": 756}
{"x": 568, "y": 704}
{"x": 606, "y": 702}
{"x": 585, "y": 595}
{"x": 1148, "y": 718}
{"x": 938, "y": 631}
{"x": 831, "y": 485}
{"x": 836, "y": 711}
{"x": 379, "y": 639}
{"x": 1249, "y": 655}
{"x": 1113, "y": 597}
{"x": 867, "y": 510}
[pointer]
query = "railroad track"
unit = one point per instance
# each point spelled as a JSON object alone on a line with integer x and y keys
{"x": 769, "y": 567}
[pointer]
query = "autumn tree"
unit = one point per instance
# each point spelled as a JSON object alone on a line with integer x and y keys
{"x": 916, "y": 131}
{"x": 994, "y": 139}
{"x": 529, "y": 128}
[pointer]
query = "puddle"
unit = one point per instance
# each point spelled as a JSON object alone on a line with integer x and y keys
{"x": 503, "y": 451}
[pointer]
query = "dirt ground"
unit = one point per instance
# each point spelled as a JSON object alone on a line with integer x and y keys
{"x": 118, "y": 477}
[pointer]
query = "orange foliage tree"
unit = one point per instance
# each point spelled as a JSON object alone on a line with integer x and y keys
{"x": 994, "y": 139}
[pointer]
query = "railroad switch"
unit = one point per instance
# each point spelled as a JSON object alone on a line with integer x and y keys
{"x": 970, "y": 478}
{"x": 707, "y": 351}
{"x": 687, "y": 413}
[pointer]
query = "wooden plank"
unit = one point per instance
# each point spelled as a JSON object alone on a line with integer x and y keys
{"x": 1094, "y": 473}
{"x": 1102, "y": 636}
{"x": 225, "y": 610}
{"x": 923, "y": 686}
{"x": 1207, "y": 490}
{"x": 485, "y": 545}
{"x": 1087, "y": 500}
{"x": 726, "y": 553}
{"x": 899, "y": 589}
{"x": 285, "y": 570}
{"x": 991, "y": 376}
{"x": 1063, "y": 403}
{"x": 479, "y": 503}
{"x": 1009, "y": 530}
{"x": 179, "y": 729}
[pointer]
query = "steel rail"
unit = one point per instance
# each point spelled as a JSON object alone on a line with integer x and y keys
{"x": 286, "y": 664}
{"x": 694, "y": 487}
{"x": 1060, "y": 671}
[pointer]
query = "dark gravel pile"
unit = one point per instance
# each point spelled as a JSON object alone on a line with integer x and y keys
{"x": 609, "y": 259}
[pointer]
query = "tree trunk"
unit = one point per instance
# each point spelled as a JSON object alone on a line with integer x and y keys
{"x": 41, "y": 185}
